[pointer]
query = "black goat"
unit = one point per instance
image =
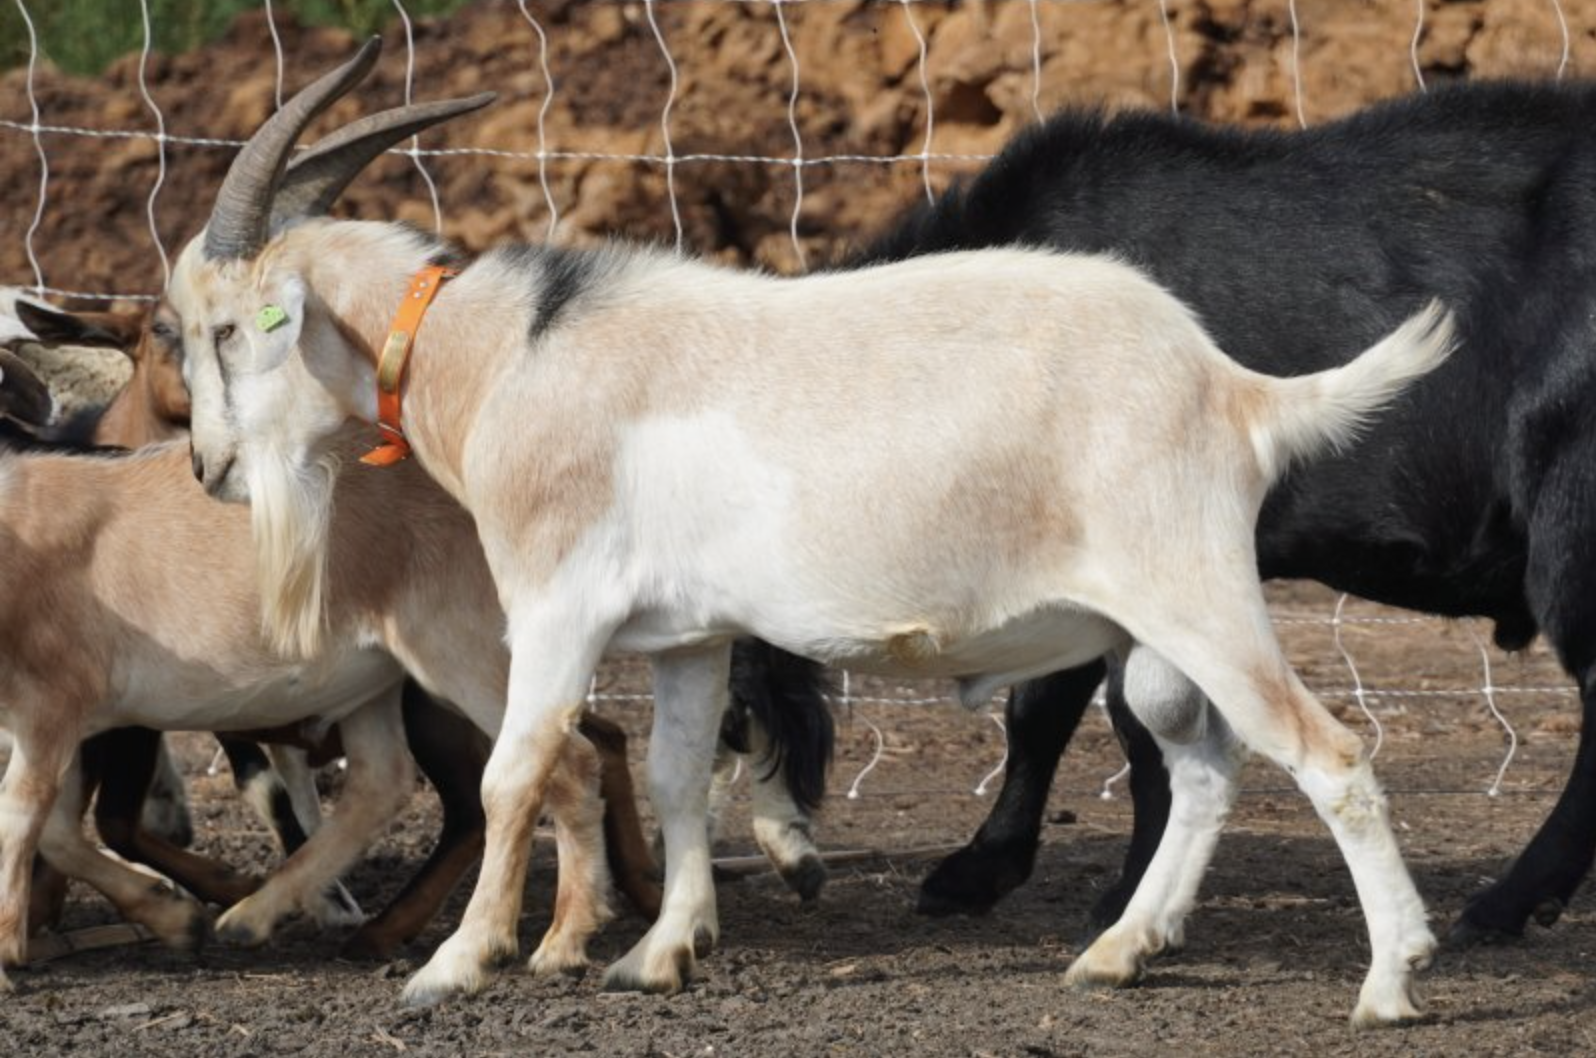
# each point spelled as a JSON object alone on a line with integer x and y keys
{"x": 1474, "y": 495}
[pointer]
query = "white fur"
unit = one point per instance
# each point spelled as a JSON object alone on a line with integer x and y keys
{"x": 1054, "y": 459}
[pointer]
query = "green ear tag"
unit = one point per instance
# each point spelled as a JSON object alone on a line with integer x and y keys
{"x": 270, "y": 318}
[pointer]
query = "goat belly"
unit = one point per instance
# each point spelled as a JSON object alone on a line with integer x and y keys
{"x": 188, "y": 697}
{"x": 981, "y": 659}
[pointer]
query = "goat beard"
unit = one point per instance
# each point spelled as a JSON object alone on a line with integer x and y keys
{"x": 291, "y": 516}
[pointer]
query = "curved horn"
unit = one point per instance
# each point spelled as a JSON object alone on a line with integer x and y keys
{"x": 317, "y": 177}
{"x": 237, "y": 227}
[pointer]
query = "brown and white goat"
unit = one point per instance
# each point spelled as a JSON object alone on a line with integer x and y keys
{"x": 141, "y": 606}
{"x": 659, "y": 454}
{"x": 150, "y": 408}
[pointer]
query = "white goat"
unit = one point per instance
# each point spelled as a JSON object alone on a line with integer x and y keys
{"x": 128, "y": 597}
{"x": 660, "y": 454}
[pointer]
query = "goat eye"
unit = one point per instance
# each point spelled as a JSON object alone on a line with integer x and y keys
{"x": 222, "y": 332}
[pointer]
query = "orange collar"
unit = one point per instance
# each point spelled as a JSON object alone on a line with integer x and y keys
{"x": 391, "y": 364}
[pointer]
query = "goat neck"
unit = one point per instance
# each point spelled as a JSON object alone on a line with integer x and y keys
{"x": 362, "y": 278}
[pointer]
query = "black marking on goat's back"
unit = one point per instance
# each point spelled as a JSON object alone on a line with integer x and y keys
{"x": 560, "y": 277}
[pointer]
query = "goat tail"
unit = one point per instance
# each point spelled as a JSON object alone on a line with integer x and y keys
{"x": 786, "y": 696}
{"x": 1298, "y": 418}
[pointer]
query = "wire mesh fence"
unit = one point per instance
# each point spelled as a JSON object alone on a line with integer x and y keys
{"x": 789, "y": 136}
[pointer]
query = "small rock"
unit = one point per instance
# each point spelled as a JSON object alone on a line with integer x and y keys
{"x": 125, "y": 1010}
{"x": 1063, "y": 818}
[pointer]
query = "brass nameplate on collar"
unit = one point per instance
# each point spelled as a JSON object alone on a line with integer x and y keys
{"x": 392, "y": 362}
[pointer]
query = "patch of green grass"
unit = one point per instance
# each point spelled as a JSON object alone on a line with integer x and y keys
{"x": 85, "y": 36}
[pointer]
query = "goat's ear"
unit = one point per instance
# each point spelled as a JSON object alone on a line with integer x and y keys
{"x": 23, "y": 396}
{"x": 275, "y": 330}
{"x": 98, "y": 329}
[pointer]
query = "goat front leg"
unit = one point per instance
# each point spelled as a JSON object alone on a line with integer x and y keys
{"x": 333, "y": 907}
{"x": 689, "y": 700}
{"x": 27, "y": 794}
{"x": 553, "y": 653}
{"x": 380, "y": 779}
{"x": 127, "y": 759}
{"x": 174, "y": 918}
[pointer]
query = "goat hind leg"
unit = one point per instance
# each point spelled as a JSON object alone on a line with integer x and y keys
{"x": 1150, "y": 808}
{"x": 782, "y": 828}
{"x": 1561, "y": 588}
{"x": 1238, "y": 664}
{"x": 1202, "y": 759}
{"x": 632, "y": 862}
{"x": 580, "y": 906}
{"x": 126, "y": 759}
{"x": 28, "y": 794}
{"x": 451, "y": 752}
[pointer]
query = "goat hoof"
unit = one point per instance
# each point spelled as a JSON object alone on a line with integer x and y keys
{"x": 177, "y": 922}
{"x": 1087, "y": 978}
{"x": 666, "y": 975}
{"x": 449, "y": 973}
{"x": 1114, "y": 961}
{"x": 199, "y": 931}
{"x": 1548, "y": 911}
{"x": 626, "y": 982}
{"x": 233, "y": 931}
{"x": 806, "y": 878}
{"x": 421, "y": 997}
{"x": 550, "y": 961}
{"x": 1400, "y": 1008}
{"x": 334, "y": 908}
{"x": 1466, "y": 932}
{"x": 972, "y": 880}
{"x": 239, "y": 937}
{"x": 369, "y": 945}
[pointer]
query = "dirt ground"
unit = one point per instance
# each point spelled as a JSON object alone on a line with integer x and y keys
{"x": 1274, "y": 956}
{"x": 1276, "y": 949}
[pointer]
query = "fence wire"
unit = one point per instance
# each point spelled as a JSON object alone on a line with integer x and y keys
{"x": 871, "y": 710}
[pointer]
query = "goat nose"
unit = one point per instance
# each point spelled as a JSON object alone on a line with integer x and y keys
{"x": 198, "y": 462}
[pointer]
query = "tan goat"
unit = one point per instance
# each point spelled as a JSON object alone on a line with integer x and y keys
{"x": 661, "y": 455}
{"x": 133, "y": 600}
